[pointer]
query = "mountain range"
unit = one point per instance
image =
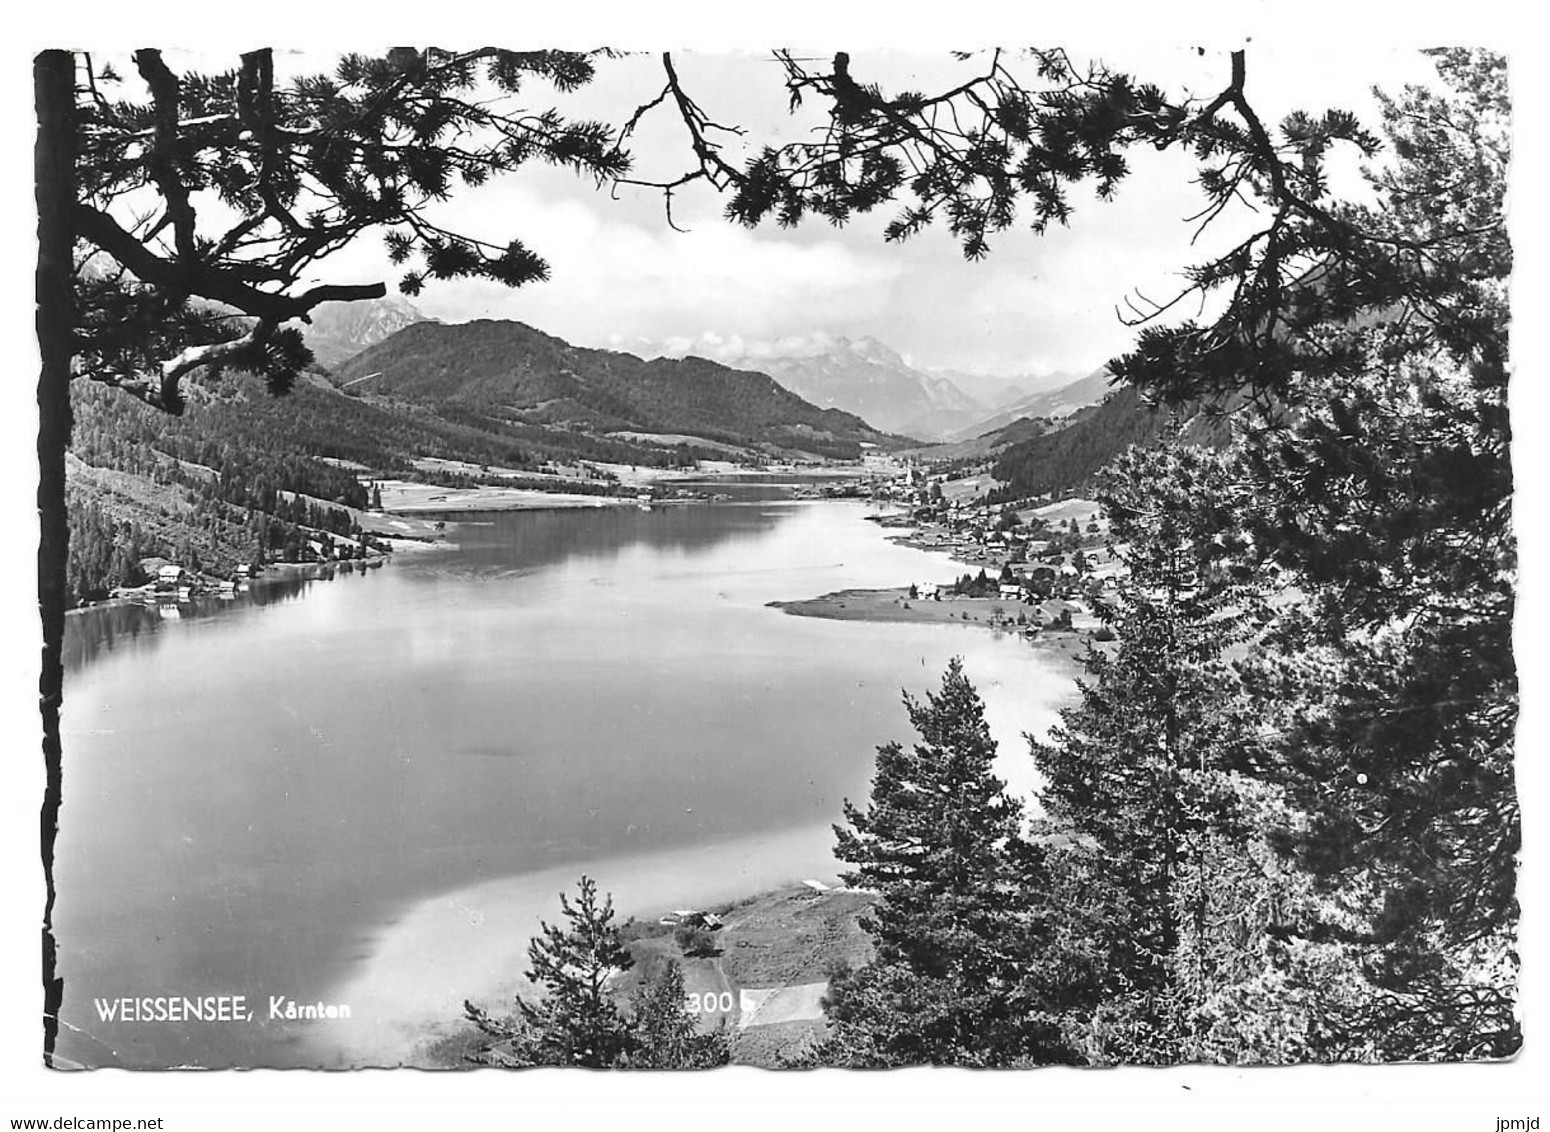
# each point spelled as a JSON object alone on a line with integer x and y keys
{"x": 872, "y": 380}
{"x": 242, "y": 473}
{"x": 501, "y": 381}
{"x": 866, "y": 377}
{"x": 859, "y": 376}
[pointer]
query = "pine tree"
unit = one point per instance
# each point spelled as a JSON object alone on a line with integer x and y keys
{"x": 1387, "y": 495}
{"x": 321, "y": 146}
{"x": 1133, "y": 774}
{"x": 1185, "y": 931}
{"x": 666, "y": 1035}
{"x": 938, "y": 842}
{"x": 576, "y": 1020}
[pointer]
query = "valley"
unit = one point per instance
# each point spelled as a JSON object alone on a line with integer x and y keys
{"x": 411, "y": 415}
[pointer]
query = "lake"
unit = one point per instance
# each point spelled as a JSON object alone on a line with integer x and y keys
{"x": 367, "y": 790}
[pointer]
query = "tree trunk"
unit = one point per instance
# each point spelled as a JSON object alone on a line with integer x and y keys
{"x": 54, "y": 91}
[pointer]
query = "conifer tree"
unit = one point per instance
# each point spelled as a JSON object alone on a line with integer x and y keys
{"x": 1386, "y": 494}
{"x": 1132, "y": 774}
{"x": 578, "y": 1018}
{"x": 301, "y": 166}
{"x": 666, "y": 1035}
{"x": 938, "y": 841}
{"x": 1196, "y": 935}
{"x": 576, "y": 1021}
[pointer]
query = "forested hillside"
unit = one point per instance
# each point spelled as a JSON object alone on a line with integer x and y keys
{"x": 1067, "y": 459}
{"x": 217, "y": 485}
{"x": 237, "y": 478}
{"x": 511, "y": 373}
{"x": 213, "y": 485}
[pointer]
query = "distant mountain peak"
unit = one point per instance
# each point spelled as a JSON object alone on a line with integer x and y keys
{"x": 339, "y": 331}
{"x": 864, "y": 375}
{"x": 869, "y": 347}
{"x": 869, "y": 378}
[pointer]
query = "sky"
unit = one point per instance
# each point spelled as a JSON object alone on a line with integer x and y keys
{"x": 1035, "y": 305}
{"x": 1036, "y": 308}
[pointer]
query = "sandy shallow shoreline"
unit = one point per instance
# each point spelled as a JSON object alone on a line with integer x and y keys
{"x": 470, "y": 943}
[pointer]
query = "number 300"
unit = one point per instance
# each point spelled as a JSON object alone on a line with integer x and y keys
{"x": 709, "y": 1003}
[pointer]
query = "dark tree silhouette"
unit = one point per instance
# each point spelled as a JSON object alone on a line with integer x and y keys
{"x": 1012, "y": 142}
{"x": 205, "y": 200}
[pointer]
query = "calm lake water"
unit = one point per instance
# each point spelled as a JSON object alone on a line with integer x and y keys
{"x": 367, "y": 790}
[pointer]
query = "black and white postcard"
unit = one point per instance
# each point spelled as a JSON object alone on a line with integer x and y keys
{"x": 819, "y": 557}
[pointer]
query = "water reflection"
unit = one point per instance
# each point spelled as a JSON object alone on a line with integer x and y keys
{"x": 494, "y": 542}
{"x": 92, "y": 632}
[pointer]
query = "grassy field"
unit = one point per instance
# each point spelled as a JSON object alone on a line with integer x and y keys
{"x": 1084, "y": 511}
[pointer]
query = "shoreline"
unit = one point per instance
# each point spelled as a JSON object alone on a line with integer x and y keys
{"x": 894, "y": 605}
{"x": 402, "y": 498}
{"x": 311, "y": 571}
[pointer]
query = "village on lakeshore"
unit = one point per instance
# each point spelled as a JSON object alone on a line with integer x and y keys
{"x": 1042, "y": 568}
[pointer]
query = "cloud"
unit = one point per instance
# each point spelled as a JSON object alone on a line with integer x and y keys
{"x": 612, "y": 279}
{"x": 620, "y": 278}
{"x": 730, "y": 348}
